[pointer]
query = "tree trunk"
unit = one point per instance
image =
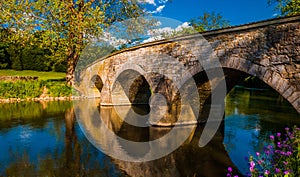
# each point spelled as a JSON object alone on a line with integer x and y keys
{"x": 72, "y": 59}
{"x": 71, "y": 65}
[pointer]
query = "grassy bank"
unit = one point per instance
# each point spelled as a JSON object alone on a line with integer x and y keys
{"x": 42, "y": 75}
{"x": 49, "y": 84}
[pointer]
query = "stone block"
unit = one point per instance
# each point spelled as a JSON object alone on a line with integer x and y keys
{"x": 294, "y": 97}
{"x": 288, "y": 92}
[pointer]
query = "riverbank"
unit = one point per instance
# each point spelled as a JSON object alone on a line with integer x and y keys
{"x": 63, "y": 98}
{"x": 18, "y": 86}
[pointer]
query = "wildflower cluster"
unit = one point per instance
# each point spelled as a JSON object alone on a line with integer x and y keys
{"x": 280, "y": 158}
{"x": 230, "y": 173}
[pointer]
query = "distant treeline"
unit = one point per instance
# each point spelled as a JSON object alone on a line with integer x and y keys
{"x": 23, "y": 56}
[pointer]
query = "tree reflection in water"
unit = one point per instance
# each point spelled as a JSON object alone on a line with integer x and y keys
{"x": 77, "y": 158}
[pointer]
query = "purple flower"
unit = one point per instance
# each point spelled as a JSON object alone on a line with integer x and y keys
{"x": 279, "y": 144}
{"x": 272, "y": 137}
{"x": 229, "y": 169}
{"x": 285, "y": 163}
{"x": 287, "y": 128}
{"x": 277, "y": 170}
{"x": 286, "y": 172}
{"x": 257, "y": 153}
{"x": 278, "y": 134}
{"x": 236, "y": 176}
{"x": 267, "y": 172}
{"x": 288, "y": 153}
{"x": 251, "y": 169}
{"x": 228, "y": 175}
{"x": 252, "y": 164}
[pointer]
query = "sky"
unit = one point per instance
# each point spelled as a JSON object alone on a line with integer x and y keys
{"x": 236, "y": 11}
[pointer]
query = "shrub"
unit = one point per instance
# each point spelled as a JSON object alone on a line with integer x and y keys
{"x": 58, "y": 89}
{"x": 20, "y": 89}
{"x": 33, "y": 89}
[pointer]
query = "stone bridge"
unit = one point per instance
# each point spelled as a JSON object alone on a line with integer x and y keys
{"x": 269, "y": 50}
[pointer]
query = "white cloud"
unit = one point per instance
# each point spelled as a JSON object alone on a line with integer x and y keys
{"x": 159, "y": 33}
{"x": 153, "y": 2}
{"x": 158, "y": 23}
{"x": 158, "y": 9}
{"x": 112, "y": 40}
{"x": 148, "y": 2}
{"x": 183, "y": 26}
{"x": 152, "y": 39}
{"x": 163, "y": 1}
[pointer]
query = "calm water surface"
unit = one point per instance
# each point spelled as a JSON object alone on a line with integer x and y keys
{"x": 44, "y": 139}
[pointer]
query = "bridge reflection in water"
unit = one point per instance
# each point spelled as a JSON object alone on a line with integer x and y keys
{"x": 188, "y": 160}
{"x": 44, "y": 139}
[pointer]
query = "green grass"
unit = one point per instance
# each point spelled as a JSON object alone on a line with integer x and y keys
{"x": 53, "y": 81}
{"x": 40, "y": 74}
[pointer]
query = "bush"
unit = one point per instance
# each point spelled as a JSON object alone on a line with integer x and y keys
{"x": 58, "y": 89}
{"x": 33, "y": 89}
{"x": 20, "y": 89}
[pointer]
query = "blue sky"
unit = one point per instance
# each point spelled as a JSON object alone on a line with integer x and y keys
{"x": 236, "y": 11}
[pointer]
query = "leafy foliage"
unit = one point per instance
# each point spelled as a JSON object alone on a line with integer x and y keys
{"x": 209, "y": 21}
{"x": 28, "y": 55}
{"x": 33, "y": 89}
{"x": 4, "y": 57}
{"x": 58, "y": 89}
{"x": 287, "y": 7}
{"x": 20, "y": 89}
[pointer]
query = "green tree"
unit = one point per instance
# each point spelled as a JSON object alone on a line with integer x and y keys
{"x": 4, "y": 47}
{"x": 209, "y": 21}
{"x": 67, "y": 24}
{"x": 27, "y": 55}
{"x": 287, "y": 7}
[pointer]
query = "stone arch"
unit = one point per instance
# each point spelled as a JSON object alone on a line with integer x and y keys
{"x": 131, "y": 85}
{"x": 236, "y": 70}
{"x": 96, "y": 82}
{"x": 269, "y": 76}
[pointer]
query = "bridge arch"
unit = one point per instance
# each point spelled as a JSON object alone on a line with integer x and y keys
{"x": 131, "y": 86}
{"x": 269, "y": 76}
{"x": 97, "y": 82}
